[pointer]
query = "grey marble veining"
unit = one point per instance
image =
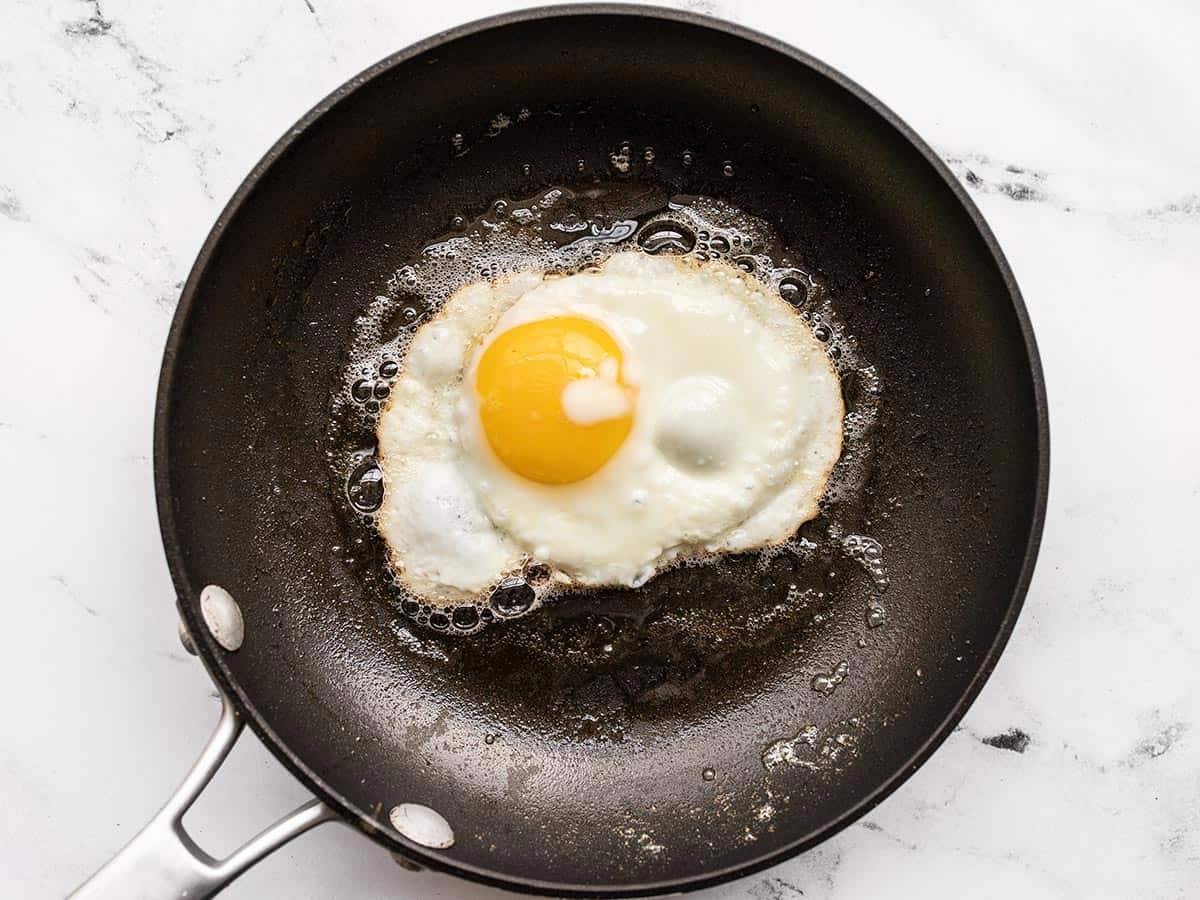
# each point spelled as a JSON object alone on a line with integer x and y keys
{"x": 125, "y": 126}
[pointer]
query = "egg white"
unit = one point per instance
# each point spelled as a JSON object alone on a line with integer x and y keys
{"x": 737, "y": 424}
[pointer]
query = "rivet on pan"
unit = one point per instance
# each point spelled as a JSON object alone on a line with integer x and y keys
{"x": 223, "y": 617}
{"x": 422, "y": 825}
{"x": 185, "y": 638}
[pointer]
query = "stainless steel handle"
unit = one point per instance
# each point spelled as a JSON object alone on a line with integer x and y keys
{"x": 162, "y": 861}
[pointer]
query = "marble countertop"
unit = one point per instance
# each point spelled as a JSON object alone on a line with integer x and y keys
{"x": 125, "y": 126}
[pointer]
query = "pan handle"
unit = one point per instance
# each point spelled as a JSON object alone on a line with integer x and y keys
{"x": 162, "y": 861}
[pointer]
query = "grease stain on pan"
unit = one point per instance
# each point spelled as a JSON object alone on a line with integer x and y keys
{"x": 791, "y": 751}
{"x": 835, "y": 746}
{"x": 641, "y": 841}
{"x": 808, "y": 750}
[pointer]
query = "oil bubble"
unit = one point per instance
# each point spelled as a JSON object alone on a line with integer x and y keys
{"x": 512, "y": 597}
{"x": 365, "y": 486}
{"x": 465, "y": 618}
{"x": 405, "y": 313}
{"x": 666, "y": 237}
{"x": 868, "y": 553}
{"x": 826, "y": 682}
{"x": 793, "y": 290}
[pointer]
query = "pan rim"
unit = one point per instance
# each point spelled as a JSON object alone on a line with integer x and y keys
{"x": 210, "y": 653}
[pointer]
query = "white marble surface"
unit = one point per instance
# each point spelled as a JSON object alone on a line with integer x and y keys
{"x": 124, "y": 128}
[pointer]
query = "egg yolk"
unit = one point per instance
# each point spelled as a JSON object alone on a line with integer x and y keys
{"x": 521, "y": 381}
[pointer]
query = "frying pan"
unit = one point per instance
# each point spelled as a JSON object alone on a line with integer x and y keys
{"x": 531, "y": 755}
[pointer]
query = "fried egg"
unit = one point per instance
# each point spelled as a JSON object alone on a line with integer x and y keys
{"x": 603, "y": 424}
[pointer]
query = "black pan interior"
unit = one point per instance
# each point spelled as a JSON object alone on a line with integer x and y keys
{"x": 564, "y": 768}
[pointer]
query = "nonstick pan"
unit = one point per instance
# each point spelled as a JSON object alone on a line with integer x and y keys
{"x": 620, "y": 742}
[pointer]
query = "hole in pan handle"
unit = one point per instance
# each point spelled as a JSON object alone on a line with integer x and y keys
{"x": 162, "y": 860}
